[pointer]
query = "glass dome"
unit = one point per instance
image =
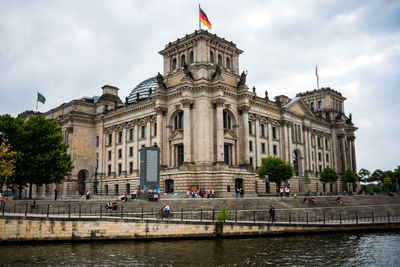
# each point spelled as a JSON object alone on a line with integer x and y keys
{"x": 143, "y": 89}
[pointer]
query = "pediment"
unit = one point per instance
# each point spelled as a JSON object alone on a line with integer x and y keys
{"x": 230, "y": 135}
{"x": 298, "y": 107}
{"x": 176, "y": 135}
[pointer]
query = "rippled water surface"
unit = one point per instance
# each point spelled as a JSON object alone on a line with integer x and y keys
{"x": 372, "y": 249}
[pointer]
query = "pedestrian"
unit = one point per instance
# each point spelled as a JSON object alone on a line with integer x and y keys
{"x": 212, "y": 193}
{"x": 277, "y": 192}
{"x": 287, "y": 191}
{"x": 208, "y": 191}
{"x": 237, "y": 190}
{"x": 271, "y": 214}
{"x": 55, "y": 194}
{"x": 2, "y": 201}
{"x": 281, "y": 191}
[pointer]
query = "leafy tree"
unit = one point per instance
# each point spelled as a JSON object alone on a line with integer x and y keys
{"x": 45, "y": 159}
{"x": 363, "y": 175}
{"x": 377, "y": 176}
{"x": 41, "y": 155}
{"x": 328, "y": 175}
{"x": 349, "y": 176}
{"x": 222, "y": 214}
{"x": 7, "y": 162}
{"x": 277, "y": 170}
{"x": 396, "y": 174}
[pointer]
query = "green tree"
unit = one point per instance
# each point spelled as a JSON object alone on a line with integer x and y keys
{"x": 41, "y": 155}
{"x": 363, "y": 175}
{"x": 377, "y": 176}
{"x": 7, "y": 163}
{"x": 349, "y": 177}
{"x": 45, "y": 159}
{"x": 277, "y": 170}
{"x": 387, "y": 182}
{"x": 328, "y": 175}
{"x": 396, "y": 174}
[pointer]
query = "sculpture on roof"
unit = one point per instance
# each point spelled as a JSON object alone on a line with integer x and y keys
{"x": 266, "y": 95}
{"x": 217, "y": 72}
{"x": 242, "y": 80}
{"x": 254, "y": 89}
{"x": 188, "y": 74}
{"x": 160, "y": 81}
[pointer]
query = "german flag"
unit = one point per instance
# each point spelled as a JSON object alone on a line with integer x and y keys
{"x": 204, "y": 19}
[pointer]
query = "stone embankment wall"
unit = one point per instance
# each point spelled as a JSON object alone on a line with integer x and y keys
{"x": 41, "y": 229}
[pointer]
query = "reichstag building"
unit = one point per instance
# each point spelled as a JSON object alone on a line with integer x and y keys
{"x": 212, "y": 130}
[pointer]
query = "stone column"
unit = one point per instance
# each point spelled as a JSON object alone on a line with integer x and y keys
{"x": 159, "y": 139}
{"x": 219, "y": 104}
{"x": 324, "y": 163}
{"x": 353, "y": 153}
{"x": 257, "y": 143}
{"x": 148, "y": 132}
{"x": 269, "y": 132}
{"x": 306, "y": 150}
{"x": 187, "y": 129}
{"x": 245, "y": 120}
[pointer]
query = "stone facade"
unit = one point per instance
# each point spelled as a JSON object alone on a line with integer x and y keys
{"x": 211, "y": 129}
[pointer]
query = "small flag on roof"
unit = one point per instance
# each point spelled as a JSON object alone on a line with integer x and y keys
{"x": 41, "y": 98}
{"x": 204, "y": 19}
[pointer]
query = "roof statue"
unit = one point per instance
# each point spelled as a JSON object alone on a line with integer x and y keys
{"x": 242, "y": 80}
{"x": 266, "y": 95}
{"x": 217, "y": 72}
{"x": 188, "y": 74}
{"x": 160, "y": 81}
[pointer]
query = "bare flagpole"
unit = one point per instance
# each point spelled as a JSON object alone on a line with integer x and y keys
{"x": 316, "y": 73}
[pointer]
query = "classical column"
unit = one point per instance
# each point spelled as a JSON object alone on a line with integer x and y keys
{"x": 148, "y": 132}
{"x": 245, "y": 120}
{"x": 219, "y": 104}
{"x": 257, "y": 143}
{"x": 306, "y": 150}
{"x": 159, "y": 139}
{"x": 343, "y": 152}
{"x": 269, "y": 132}
{"x": 187, "y": 129}
{"x": 353, "y": 154}
{"x": 324, "y": 163}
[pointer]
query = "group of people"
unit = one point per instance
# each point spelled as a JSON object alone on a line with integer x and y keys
{"x": 123, "y": 197}
{"x": 199, "y": 193}
{"x": 239, "y": 192}
{"x": 283, "y": 191}
{"x": 309, "y": 201}
{"x": 113, "y": 206}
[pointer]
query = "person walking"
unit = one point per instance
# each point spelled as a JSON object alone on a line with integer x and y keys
{"x": 55, "y": 194}
{"x": 2, "y": 201}
{"x": 271, "y": 214}
{"x": 237, "y": 190}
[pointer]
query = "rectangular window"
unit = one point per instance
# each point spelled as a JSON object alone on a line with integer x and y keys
{"x": 274, "y": 132}
{"x": 106, "y": 189}
{"x": 251, "y": 146}
{"x": 109, "y": 155}
{"x": 262, "y": 132}
{"x": 250, "y": 128}
{"x": 263, "y": 148}
{"x": 131, "y": 151}
{"x": 116, "y": 190}
{"x": 119, "y": 153}
{"x": 97, "y": 141}
{"x": 120, "y": 137}
{"x": 143, "y": 131}
{"x": 109, "y": 170}
{"x": 251, "y": 161}
{"x": 180, "y": 155}
{"x": 326, "y": 144}
{"x": 130, "y": 167}
{"x": 119, "y": 169}
{"x": 319, "y": 156}
{"x": 131, "y": 134}
{"x": 319, "y": 142}
{"x": 320, "y": 168}
{"x": 275, "y": 150}
{"x": 155, "y": 129}
{"x": 327, "y": 157}
{"x": 109, "y": 139}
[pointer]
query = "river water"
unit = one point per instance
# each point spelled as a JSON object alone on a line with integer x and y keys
{"x": 358, "y": 249}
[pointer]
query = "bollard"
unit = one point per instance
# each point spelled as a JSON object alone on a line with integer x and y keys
{"x": 48, "y": 210}
{"x": 181, "y": 214}
{"x": 254, "y": 216}
{"x": 69, "y": 211}
{"x": 388, "y": 218}
{"x": 290, "y": 218}
{"x": 201, "y": 215}
{"x": 373, "y": 221}
{"x": 356, "y": 218}
{"x": 340, "y": 218}
{"x": 324, "y": 216}
{"x": 235, "y": 215}
{"x": 213, "y": 216}
{"x": 101, "y": 211}
{"x": 26, "y": 209}
{"x": 122, "y": 211}
{"x": 142, "y": 214}
{"x": 307, "y": 217}
{"x": 79, "y": 210}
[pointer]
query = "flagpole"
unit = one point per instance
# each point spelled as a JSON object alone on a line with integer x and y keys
{"x": 199, "y": 19}
{"x": 37, "y": 93}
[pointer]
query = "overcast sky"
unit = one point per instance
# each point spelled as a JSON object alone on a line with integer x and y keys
{"x": 69, "y": 49}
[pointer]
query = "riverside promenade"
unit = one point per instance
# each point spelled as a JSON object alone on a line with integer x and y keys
{"x": 194, "y": 218}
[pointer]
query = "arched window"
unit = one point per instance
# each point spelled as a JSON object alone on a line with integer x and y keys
{"x": 178, "y": 121}
{"x": 212, "y": 57}
{"x": 191, "y": 55}
{"x": 219, "y": 59}
{"x": 227, "y": 120}
{"x": 312, "y": 106}
{"x": 174, "y": 63}
{"x": 319, "y": 104}
{"x": 228, "y": 63}
{"x": 296, "y": 162}
{"x": 183, "y": 60}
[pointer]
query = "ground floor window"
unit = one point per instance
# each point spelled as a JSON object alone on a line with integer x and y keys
{"x": 169, "y": 186}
